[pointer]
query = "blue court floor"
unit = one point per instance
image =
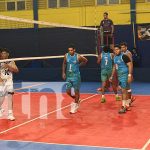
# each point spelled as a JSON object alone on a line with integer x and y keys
{"x": 138, "y": 88}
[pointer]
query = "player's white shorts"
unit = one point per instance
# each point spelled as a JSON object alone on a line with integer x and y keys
{"x": 6, "y": 87}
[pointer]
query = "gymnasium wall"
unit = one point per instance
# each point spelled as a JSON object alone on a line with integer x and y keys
{"x": 143, "y": 13}
{"x": 86, "y": 16}
{"x": 83, "y": 16}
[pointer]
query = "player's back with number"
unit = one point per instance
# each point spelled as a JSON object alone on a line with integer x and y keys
{"x": 106, "y": 60}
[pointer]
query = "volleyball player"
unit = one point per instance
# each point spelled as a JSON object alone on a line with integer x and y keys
{"x": 6, "y": 83}
{"x": 125, "y": 50}
{"x": 70, "y": 73}
{"x": 124, "y": 67}
{"x": 106, "y": 60}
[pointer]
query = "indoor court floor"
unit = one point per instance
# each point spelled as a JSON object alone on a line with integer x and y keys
{"x": 43, "y": 121}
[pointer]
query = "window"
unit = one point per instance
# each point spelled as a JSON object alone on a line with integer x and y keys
{"x": 101, "y": 2}
{"x": 104, "y": 2}
{"x": 140, "y": 1}
{"x": 16, "y": 5}
{"x": 63, "y": 3}
{"x": 52, "y": 3}
{"x": 21, "y": 5}
{"x": 10, "y": 6}
{"x": 125, "y": 1}
{"x": 113, "y": 1}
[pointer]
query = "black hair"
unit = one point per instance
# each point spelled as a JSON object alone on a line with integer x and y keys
{"x": 0, "y": 49}
{"x": 4, "y": 50}
{"x": 106, "y": 13}
{"x": 118, "y": 46}
{"x": 71, "y": 46}
{"x": 106, "y": 49}
{"x": 123, "y": 44}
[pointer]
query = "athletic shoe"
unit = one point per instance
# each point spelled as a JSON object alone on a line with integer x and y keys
{"x": 11, "y": 117}
{"x": 103, "y": 100}
{"x": 74, "y": 107}
{"x": 1, "y": 112}
{"x": 122, "y": 110}
{"x": 99, "y": 89}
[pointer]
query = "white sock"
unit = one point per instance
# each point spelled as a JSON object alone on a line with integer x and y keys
{"x": 10, "y": 111}
{"x": 1, "y": 101}
{"x": 124, "y": 103}
{"x": 103, "y": 96}
{"x": 10, "y": 102}
{"x": 128, "y": 102}
{"x": 72, "y": 92}
{"x": 116, "y": 95}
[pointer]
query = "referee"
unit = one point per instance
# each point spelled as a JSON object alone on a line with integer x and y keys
{"x": 107, "y": 26}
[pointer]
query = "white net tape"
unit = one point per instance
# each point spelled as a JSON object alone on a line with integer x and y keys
{"x": 43, "y": 23}
{"x": 44, "y": 57}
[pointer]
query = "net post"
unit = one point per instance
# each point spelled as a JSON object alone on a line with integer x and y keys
{"x": 35, "y": 13}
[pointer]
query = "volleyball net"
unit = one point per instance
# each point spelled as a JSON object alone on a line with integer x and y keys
{"x": 49, "y": 39}
{"x": 45, "y": 47}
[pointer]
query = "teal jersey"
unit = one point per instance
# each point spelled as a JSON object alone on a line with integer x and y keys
{"x": 72, "y": 65}
{"x": 121, "y": 66}
{"x": 106, "y": 61}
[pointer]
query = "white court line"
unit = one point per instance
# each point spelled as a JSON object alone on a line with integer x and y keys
{"x": 75, "y": 145}
{"x": 26, "y": 87}
{"x": 43, "y": 116}
{"x": 146, "y": 145}
{"x": 30, "y": 86}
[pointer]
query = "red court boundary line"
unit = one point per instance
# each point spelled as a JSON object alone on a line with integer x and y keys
{"x": 9, "y": 129}
{"x": 67, "y": 144}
